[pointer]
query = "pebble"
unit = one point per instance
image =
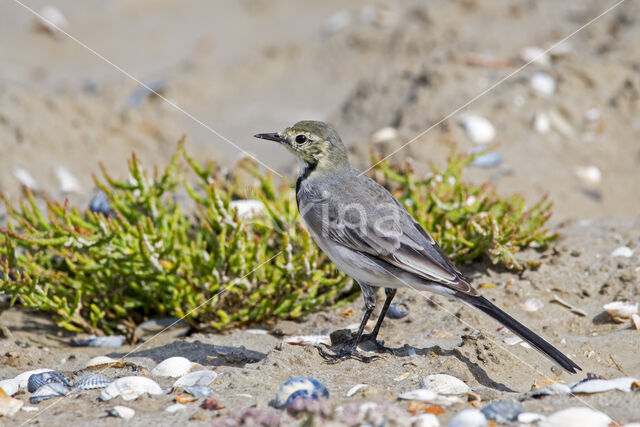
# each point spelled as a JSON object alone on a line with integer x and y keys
{"x": 247, "y": 208}
{"x": 468, "y": 418}
{"x": 478, "y": 129}
{"x": 68, "y": 182}
{"x": 530, "y": 417}
{"x": 543, "y": 83}
{"x": 541, "y": 123}
{"x": 25, "y": 178}
{"x": 536, "y": 55}
{"x": 425, "y": 420}
{"x": 100, "y": 204}
{"x": 112, "y": 341}
{"x": 385, "y": 134}
{"x": 300, "y": 387}
{"x": 172, "y": 367}
{"x": 175, "y": 408}
{"x": 337, "y": 21}
{"x": 123, "y": 412}
{"x": 531, "y": 305}
{"x": 592, "y": 114}
{"x": 502, "y": 412}
{"x": 622, "y": 251}
{"x": 51, "y": 20}
{"x": 444, "y": 384}
{"x": 490, "y": 159}
{"x": 145, "y": 90}
{"x": 197, "y": 378}
{"x": 589, "y": 175}
{"x": 577, "y": 416}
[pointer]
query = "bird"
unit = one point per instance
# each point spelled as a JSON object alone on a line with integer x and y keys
{"x": 370, "y": 236}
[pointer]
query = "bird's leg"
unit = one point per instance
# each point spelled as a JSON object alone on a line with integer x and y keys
{"x": 390, "y": 293}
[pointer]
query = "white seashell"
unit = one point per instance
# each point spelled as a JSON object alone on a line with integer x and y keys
{"x": 100, "y": 360}
{"x": 560, "y": 124}
{"x": 202, "y": 378}
{"x": 10, "y": 386}
{"x": 307, "y": 340}
{"x": 543, "y": 83}
{"x": 635, "y": 321}
{"x": 175, "y": 408}
{"x": 23, "y": 378}
{"x": 512, "y": 340}
{"x": 583, "y": 417}
{"x": 9, "y": 405}
{"x": 247, "y": 208}
{"x": 25, "y": 178}
{"x": 479, "y": 130}
{"x": 30, "y": 408}
{"x": 123, "y": 412}
{"x": 534, "y": 54}
{"x": 597, "y": 386}
{"x": 425, "y": 420}
{"x": 444, "y": 384}
{"x": 353, "y": 390}
{"x": 590, "y": 175}
{"x": 130, "y": 388}
{"x": 337, "y": 21}
{"x": 541, "y": 123}
{"x": 620, "y": 309}
{"x": 622, "y": 251}
{"x": 424, "y": 395}
{"x": 385, "y": 134}
{"x": 531, "y": 304}
{"x": 530, "y": 417}
{"x": 52, "y": 20}
{"x": 172, "y": 367}
{"x": 563, "y": 48}
{"x": 68, "y": 182}
{"x": 592, "y": 114}
{"x": 468, "y": 418}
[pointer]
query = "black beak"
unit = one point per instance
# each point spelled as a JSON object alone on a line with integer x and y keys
{"x": 270, "y": 136}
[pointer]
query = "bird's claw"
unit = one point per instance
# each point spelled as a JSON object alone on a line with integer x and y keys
{"x": 345, "y": 354}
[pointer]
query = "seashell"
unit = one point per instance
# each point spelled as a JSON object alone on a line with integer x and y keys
{"x": 68, "y": 182}
{"x": 211, "y": 404}
{"x": 307, "y": 340}
{"x": 424, "y": 395}
{"x": 201, "y": 378}
{"x": 300, "y": 387}
{"x": 541, "y": 123}
{"x": 562, "y": 48}
{"x": 10, "y": 386}
{"x": 577, "y": 416}
{"x": 385, "y": 134}
{"x": 444, "y": 384}
{"x": 592, "y": 114}
{"x": 635, "y": 321}
{"x": 551, "y": 390}
{"x": 36, "y": 381}
{"x": 100, "y": 204}
{"x": 25, "y": 178}
{"x": 543, "y": 83}
{"x": 530, "y": 417}
{"x": 30, "y": 408}
{"x": 574, "y": 310}
{"x": 513, "y": 340}
{"x": 353, "y": 390}
{"x": 198, "y": 391}
{"x": 23, "y": 378}
{"x": 534, "y": 54}
{"x": 590, "y": 175}
{"x": 502, "y": 412}
{"x": 247, "y": 208}
{"x": 9, "y": 405}
{"x": 175, "y": 408}
{"x": 337, "y": 21}
{"x": 468, "y": 418}
{"x": 598, "y": 385}
{"x": 48, "y": 391}
{"x": 143, "y": 91}
{"x": 185, "y": 398}
{"x": 123, "y": 412}
{"x": 478, "y": 129}
{"x": 172, "y": 367}
{"x": 51, "y": 20}
{"x": 622, "y": 251}
{"x": 113, "y": 341}
{"x": 487, "y": 160}
{"x": 425, "y": 420}
{"x": 621, "y": 310}
{"x": 130, "y": 388}
{"x": 395, "y": 312}
{"x": 91, "y": 382}
{"x": 531, "y": 304}
{"x": 100, "y": 360}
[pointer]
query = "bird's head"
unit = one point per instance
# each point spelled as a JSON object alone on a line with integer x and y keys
{"x": 314, "y": 143}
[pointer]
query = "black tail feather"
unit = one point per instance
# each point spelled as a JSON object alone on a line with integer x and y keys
{"x": 488, "y": 308}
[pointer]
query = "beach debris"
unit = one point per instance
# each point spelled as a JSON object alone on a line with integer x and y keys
{"x": 621, "y": 310}
{"x": 598, "y": 385}
{"x": 444, "y": 384}
{"x": 468, "y": 418}
{"x": 112, "y": 341}
{"x": 198, "y": 391}
{"x": 635, "y": 321}
{"x": 395, "y": 312}
{"x": 426, "y": 408}
{"x": 23, "y": 379}
{"x": 172, "y": 367}
{"x": 9, "y": 405}
{"x": 574, "y": 310}
{"x": 541, "y": 123}
{"x": 353, "y": 390}
{"x": 425, "y": 420}
{"x": 337, "y": 21}
{"x": 531, "y": 305}
{"x": 123, "y": 412}
{"x": 10, "y": 386}
{"x": 535, "y": 55}
{"x": 51, "y": 20}
{"x": 490, "y": 159}
{"x": 211, "y": 404}
{"x": 543, "y": 83}
{"x": 502, "y": 412}
{"x": 185, "y": 398}
{"x": 130, "y": 388}
{"x": 478, "y": 129}
{"x": 301, "y": 406}
{"x": 68, "y": 182}
{"x": 196, "y": 378}
{"x": 171, "y": 326}
{"x": 430, "y": 396}
{"x": 144, "y": 90}
{"x": 92, "y": 382}
{"x": 307, "y": 340}
{"x": 300, "y": 387}
{"x": 589, "y": 175}
{"x": 38, "y": 380}
{"x": 530, "y": 417}
{"x": 100, "y": 360}
{"x": 577, "y": 416}
{"x": 30, "y": 408}
{"x": 247, "y": 208}
{"x": 100, "y": 204}
{"x": 592, "y": 114}
{"x": 385, "y": 134}
{"x": 25, "y": 178}
{"x": 560, "y": 124}
{"x": 562, "y": 48}
{"x": 551, "y": 390}
{"x": 172, "y": 409}
{"x": 402, "y": 377}
{"x": 347, "y": 312}
{"x": 48, "y": 391}
{"x": 622, "y": 251}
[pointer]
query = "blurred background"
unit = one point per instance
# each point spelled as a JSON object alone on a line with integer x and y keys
{"x": 382, "y": 72}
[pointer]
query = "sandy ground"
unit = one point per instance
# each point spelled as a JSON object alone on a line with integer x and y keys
{"x": 237, "y": 68}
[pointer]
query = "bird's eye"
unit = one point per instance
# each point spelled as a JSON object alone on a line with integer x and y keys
{"x": 301, "y": 139}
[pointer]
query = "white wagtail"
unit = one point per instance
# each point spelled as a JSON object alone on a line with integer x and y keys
{"x": 371, "y": 237}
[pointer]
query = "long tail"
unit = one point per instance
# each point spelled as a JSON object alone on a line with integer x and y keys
{"x": 488, "y": 308}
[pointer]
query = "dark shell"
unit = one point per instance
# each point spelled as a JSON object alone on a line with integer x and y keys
{"x": 48, "y": 391}
{"x": 395, "y": 312}
{"x": 38, "y": 380}
{"x": 91, "y": 382}
{"x": 502, "y": 412}
{"x": 198, "y": 391}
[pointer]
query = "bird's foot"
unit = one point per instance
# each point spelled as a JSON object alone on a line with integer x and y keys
{"x": 345, "y": 353}
{"x": 370, "y": 341}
